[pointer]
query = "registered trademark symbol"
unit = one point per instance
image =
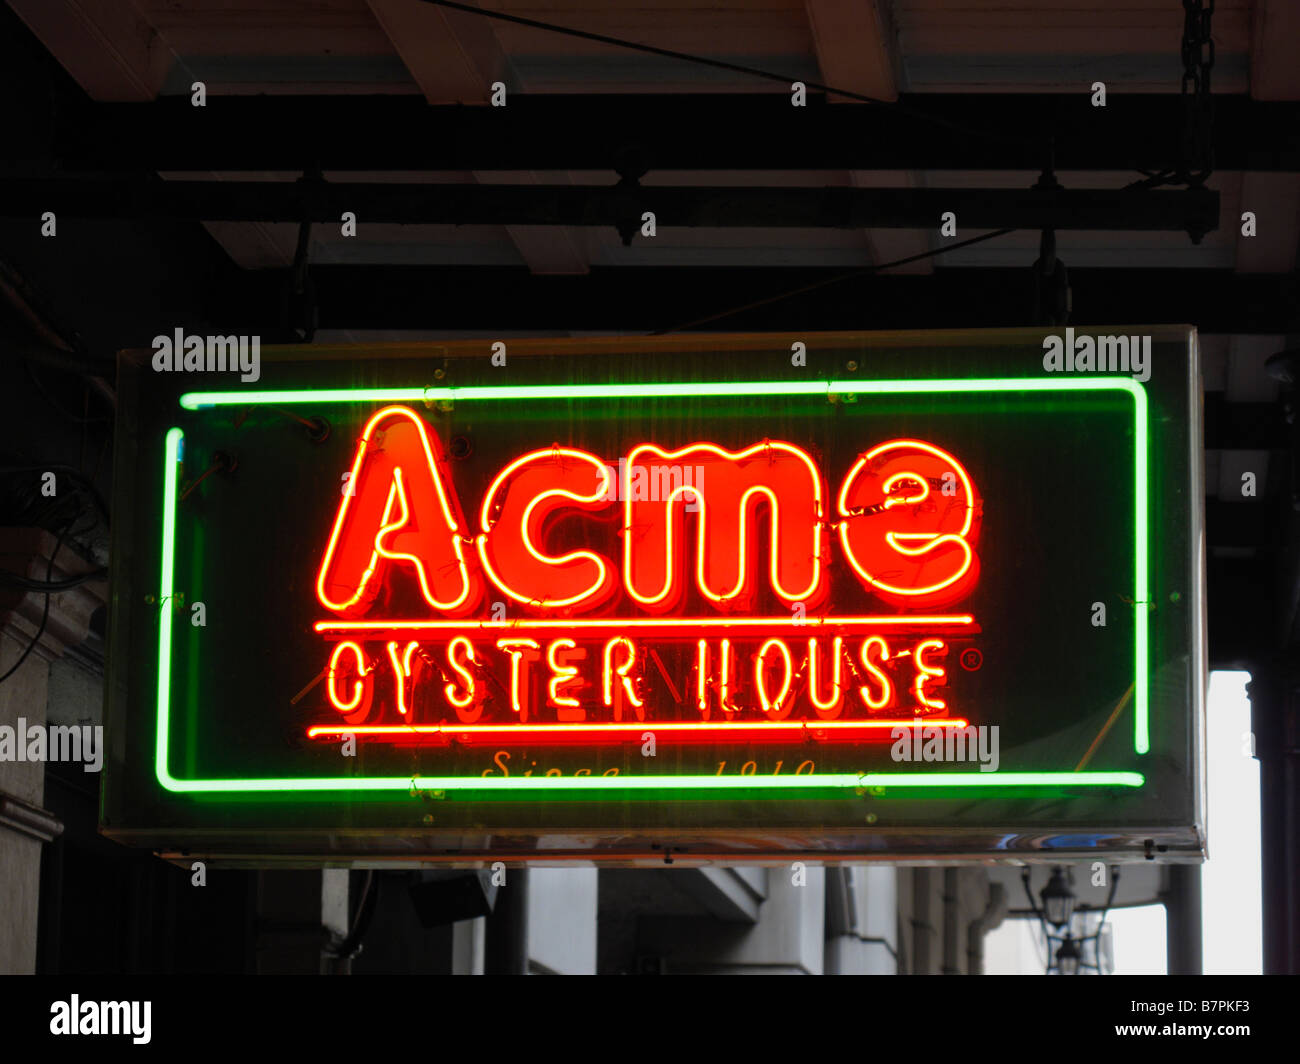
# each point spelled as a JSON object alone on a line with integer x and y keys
{"x": 971, "y": 659}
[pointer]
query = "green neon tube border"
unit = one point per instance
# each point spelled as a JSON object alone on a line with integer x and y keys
{"x": 202, "y": 400}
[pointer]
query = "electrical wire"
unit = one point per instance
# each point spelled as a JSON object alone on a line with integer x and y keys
{"x": 835, "y": 280}
{"x": 202, "y": 477}
{"x": 735, "y": 68}
{"x": 45, "y": 612}
{"x": 295, "y": 417}
{"x": 52, "y": 585}
{"x": 74, "y": 474}
{"x": 1168, "y": 177}
{"x": 62, "y": 411}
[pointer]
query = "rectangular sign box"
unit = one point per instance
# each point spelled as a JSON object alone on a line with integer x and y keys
{"x": 907, "y": 596}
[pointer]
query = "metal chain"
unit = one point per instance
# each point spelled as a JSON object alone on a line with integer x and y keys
{"x": 1198, "y": 114}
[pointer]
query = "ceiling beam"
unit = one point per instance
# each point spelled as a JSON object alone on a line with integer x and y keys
{"x": 1274, "y": 72}
{"x": 856, "y": 46}
{"x": 455, "y": 57}
{"x": 1191, "y": 210}
{"x": 548, "y": 249}
{"x": 718, "y": 132}
{"x": 115, "y": 54}
{"x": 110, "y": 49}
{"x": 857, "y": 50}
{"x": 1274, "y": 200}
{"x": 894, "y": 245}
{"x": 614, "y": 299}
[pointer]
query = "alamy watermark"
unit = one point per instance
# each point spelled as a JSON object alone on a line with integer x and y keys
{"x": 79, "y": 1017}
{"x": 53, "y": 742}
{"x": 655, "y": 483}
{"x": 934, "y": 743}
{"x": 1098, "y": 354}
{"x": 208, "y": 354}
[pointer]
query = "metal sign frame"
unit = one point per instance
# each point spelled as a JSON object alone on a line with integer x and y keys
{"x": 250, "y": 825}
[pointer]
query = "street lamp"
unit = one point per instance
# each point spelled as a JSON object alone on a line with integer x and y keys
{"x": 1057, "y": 909}
{"x": 1058, "y": 899}
{"x": 1068, "y": 957}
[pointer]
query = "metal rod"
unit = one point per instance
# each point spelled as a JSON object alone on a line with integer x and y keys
{"x": 506, "y": 951}
{"x": 805, "y": 208}
{"x": 1183, "y": 913}
{"x": 671, "y": 131}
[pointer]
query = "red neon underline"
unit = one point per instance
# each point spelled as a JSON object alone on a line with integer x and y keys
{"x": 772, "y": 731}
{"x": 646, "y": 622}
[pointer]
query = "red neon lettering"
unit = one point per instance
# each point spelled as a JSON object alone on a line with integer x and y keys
{"x": 358, "y": 705}
{"x": 783, "y": 731}
{"x": 702, "y": 678}
{"x": 776, "y": 683}
{"x": 777, "y": 708}
{"x": 826, "y": 709}
{"x": 402, "y": 672}
{"x": 516, "y": 648}
{"x": 925, "y": 673}
{"x": 909, "y": 515}
{"x": 621, "y": 671}
{"x": 723, "y": 684}
{"x": 728, "y": 492}
{"x": 886, "y": 688}
{"x": 561, "y": 675}
{"x": 397, "y": 511}
{"x": 514, "y": 512}
{"x": 467, "y": 705}
{"x": 908, "y": 522}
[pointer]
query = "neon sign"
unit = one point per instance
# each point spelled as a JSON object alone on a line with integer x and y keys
{"x": 620, "y": 578}
{"x": 908, "y": 523}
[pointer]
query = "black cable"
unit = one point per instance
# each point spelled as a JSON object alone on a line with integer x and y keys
{"x": 202, "y": 477}
{"x": 294, "y": 417}
{"x": 34, "y": 509}
{"x": 90, "y": 526}
{"x": 54, "y": 585}
{"x": 1166, "y": 178}
{"x": 835, "y": 280}
{"x": 58, "y": 408}
{"x": 45, "y": 612}
{"x": 50, "y": 586}
{"x": 72, "y": 473}
{"x": 26, "y": 515}
{"x": 735, "y": 68}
